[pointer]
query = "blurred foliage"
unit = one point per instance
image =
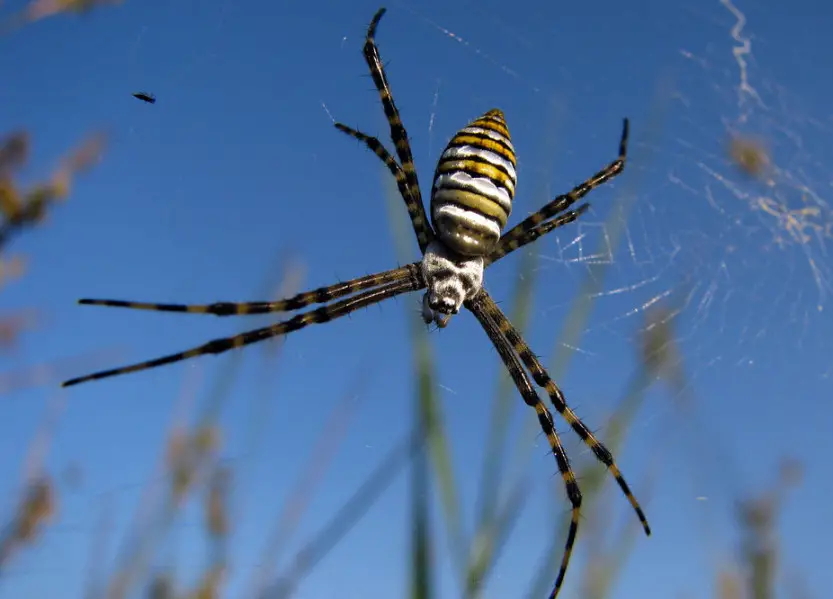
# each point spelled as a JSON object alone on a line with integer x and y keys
{"x": 38, "y": 10}
{"x": 194, "y": 471}
{"x": 36, "y": 506}
{"x": 22, "y": 209}
{"x": 750, "y": 156}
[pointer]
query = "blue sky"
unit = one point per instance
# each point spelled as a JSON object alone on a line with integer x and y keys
{"x": 238, "y": 161}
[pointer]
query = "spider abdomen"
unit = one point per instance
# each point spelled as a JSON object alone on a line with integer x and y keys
{"x": 474, "y": 185}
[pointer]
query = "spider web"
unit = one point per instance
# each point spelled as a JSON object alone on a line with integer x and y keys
{"x": 705, "y": 232}
{"x": 723, "y": 217}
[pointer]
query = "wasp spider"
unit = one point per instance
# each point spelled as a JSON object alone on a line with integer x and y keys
{"x": 471, "y": 198}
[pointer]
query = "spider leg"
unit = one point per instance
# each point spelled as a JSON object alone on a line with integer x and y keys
{"x": 480, "y": 308}
{"x": 539, "y": 374}
{"x": 297, "y": 322}
{"x": 415, "y": 211}
{"x": 413, "y": 199}
{"x": 563, "y": 202}
{"x": 321, "y": 295}
{"x": 534, "y": 233}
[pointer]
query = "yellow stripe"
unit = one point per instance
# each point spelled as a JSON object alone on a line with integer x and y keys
{"x": 480, "y": 169}
{"x": 493, "y": 120}
{"x": 473, "y": 201}
{"x": 492, "y": 125}
{"x": 484, "y": 144}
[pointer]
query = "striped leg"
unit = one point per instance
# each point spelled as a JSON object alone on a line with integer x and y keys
{"x": 539, "y": 374}
{"x": 415, "y": 209}
{"x": 321, "y": 295}
{"x": 479, "y": 306}
{"x": 533, "y": 234}
{"x": 297, "y": 322}
{"x": 563, "y": 202}
{"x": 399, "y": 135}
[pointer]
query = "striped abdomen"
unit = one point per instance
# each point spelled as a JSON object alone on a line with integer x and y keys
{"x": 474, "y": 185}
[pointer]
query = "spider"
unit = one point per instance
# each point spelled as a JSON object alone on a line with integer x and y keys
{"x": 471, "y": 199}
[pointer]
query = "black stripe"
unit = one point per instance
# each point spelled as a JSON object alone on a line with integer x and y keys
{"x": 477, "y": 135}
{"x": 465, "y": 186}
{"x": 478, "y": 159}
{"x": 441, "y": 203}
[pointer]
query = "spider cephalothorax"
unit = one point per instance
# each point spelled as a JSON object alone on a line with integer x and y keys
{"x": 451, "y": 279}
{"x": 471, "y": 199}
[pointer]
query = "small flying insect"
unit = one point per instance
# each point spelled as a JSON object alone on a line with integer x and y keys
{"x": 149, "y": 98}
